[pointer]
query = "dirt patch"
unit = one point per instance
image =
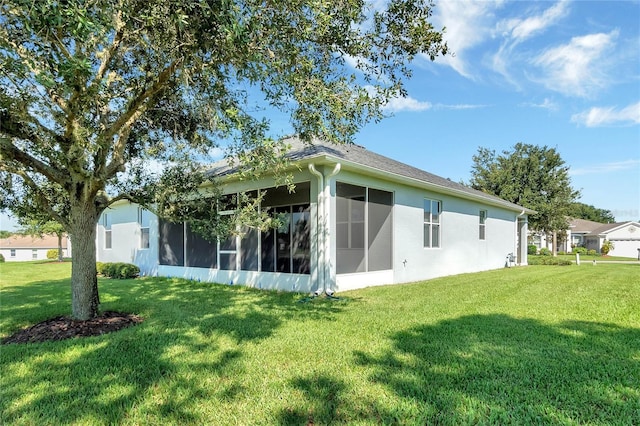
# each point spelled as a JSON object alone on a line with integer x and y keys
{"x": 61, "y": 328}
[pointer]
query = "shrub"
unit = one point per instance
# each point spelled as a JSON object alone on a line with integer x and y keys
{"x": 1, "y": 258}
{"x": 581, "y": 250}
{"x": 52, "y": 254}
{"x": 548, "y": 260}
{"x": 561, "y": 253}
{"x": 545, "y": 251}
{"x": 118, "y": 270}
{"x": 592, "y": 252}
{"x": 532, "y": 249}
{"x": 607, "y": 246}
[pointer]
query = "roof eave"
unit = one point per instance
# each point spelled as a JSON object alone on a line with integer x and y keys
{"x": 322, "y": 159}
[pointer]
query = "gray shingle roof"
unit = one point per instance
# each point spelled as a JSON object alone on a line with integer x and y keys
{"x": 352, "y": 155}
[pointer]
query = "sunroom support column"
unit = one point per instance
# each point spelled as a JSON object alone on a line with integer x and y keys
{"x": 326, "y": 279}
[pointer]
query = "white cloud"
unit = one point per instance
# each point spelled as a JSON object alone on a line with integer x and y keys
{"x": 468, "y": 23}
{"x": 596, "y": 117}
{"x": 516, "y": 30}
{"x": 577, "y": 68}
{"x": 546, "y": 104}
{"x": 459, "y": 106}
{"x": 399, "y": 104}
{"x": 606, "y": 168}
{"x": 522, "y": 29}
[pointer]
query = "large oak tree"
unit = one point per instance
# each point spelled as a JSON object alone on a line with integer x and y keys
{"x": 532, "y": 176}
{"x": 93, "y": 92}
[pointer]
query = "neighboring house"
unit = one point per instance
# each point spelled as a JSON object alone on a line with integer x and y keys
{"x": 625, "y": 237}
{"x": 22, "y": 247}
{"x": 579, "y": 229}
{"x": 356, "y": 219}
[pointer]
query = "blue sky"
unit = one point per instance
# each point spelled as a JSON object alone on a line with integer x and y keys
{"x": 561, "y": 74}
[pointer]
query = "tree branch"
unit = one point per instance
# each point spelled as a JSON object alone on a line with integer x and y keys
{"x": 122, "y": 126}
{"x": 8, "y": 149}
{"x": 40, "y": 197}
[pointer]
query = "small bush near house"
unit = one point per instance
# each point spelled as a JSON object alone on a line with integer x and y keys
{"x": 561, "y": 253}
{"x": 581, "y": 250}
{"x": 1, "y": 258}
{"x": 100, "y": 268}
{"x": 548, "y": 260}
{"x": 592, "y": 252}
{"x": 607, "y": 246}
{"x": 545, "y": 252}
{"x": 52, "y": 254}
{"x": 532, "y": 249}
{"x": 119, "y": 270}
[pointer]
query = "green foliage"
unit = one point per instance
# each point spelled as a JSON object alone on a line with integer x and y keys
{"x": 52, "y": 254}
{"x": 532, "y": 249}
{"x": 5, "y": 234}
{"x": 118, "y": 270}
{"x": 531, "y": 176}
{"x": 545, "y": 252}
{"x": 92, "y": 93}
{"x": 579, "y": 250}
{"x": 548, "y": 260}
{"x": 607, "y": 246}
{"x": 1, "y": 258}
{"x": 592, "y": 252}
{"x": 588, "y": 212}
{"x": 561, "y": 253}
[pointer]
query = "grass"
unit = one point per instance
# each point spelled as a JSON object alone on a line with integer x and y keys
{"x": 531, "y": 345}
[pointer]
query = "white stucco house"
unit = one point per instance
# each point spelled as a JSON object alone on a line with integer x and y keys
{"x": 625, "y": 236}
{"x": 18, "y": 248}
{"x": 356, "y": 219}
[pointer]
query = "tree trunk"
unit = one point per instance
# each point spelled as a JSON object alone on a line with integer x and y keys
{"x": 60, "y": 247}
{"x": 84, "y": 281}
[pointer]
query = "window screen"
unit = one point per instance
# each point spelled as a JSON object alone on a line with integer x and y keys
{"x": 171, "y": 243}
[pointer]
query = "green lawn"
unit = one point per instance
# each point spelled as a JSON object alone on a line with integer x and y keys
{"x": 530, "y": 345}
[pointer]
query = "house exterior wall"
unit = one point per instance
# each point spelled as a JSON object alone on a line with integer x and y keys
{"x": 126, "y": 238}
{"x": 26, "y": 254}
{"x": 626, "y": 241}
{"x": 461, "y": 250}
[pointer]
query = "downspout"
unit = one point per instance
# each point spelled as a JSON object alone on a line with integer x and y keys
{"x": 319, "y": 228}
{"x": 323, "y": 241}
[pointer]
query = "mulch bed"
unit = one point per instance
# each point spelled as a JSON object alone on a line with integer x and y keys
{"x": 61, "y": 328}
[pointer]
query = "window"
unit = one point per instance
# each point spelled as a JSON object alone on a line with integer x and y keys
{"x": 13, "y": 252}
{"x": 144, "y": 217}
{"x": 483, "y": 220}
{"x": 363, "y": 228}
{"x": 34, "y": 254}
{"x": 106, "y": 222}
{"x": 432, "y": 210}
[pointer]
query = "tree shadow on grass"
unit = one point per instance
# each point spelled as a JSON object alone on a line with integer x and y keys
{"x": 502, "y": 370}
{"x": 187, "y": 353}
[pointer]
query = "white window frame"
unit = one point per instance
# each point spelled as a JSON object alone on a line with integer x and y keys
{"x": 34, "y": 254}
{"x": 143, "y": 224}
{"x": 108, "y": 233}
{"x": 482, "y": 224}
{"x": 12, "y": 252}
{"x": 431, "y": 223}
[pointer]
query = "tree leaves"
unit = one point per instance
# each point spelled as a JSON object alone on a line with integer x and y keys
{"x": 531, "y": 176}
